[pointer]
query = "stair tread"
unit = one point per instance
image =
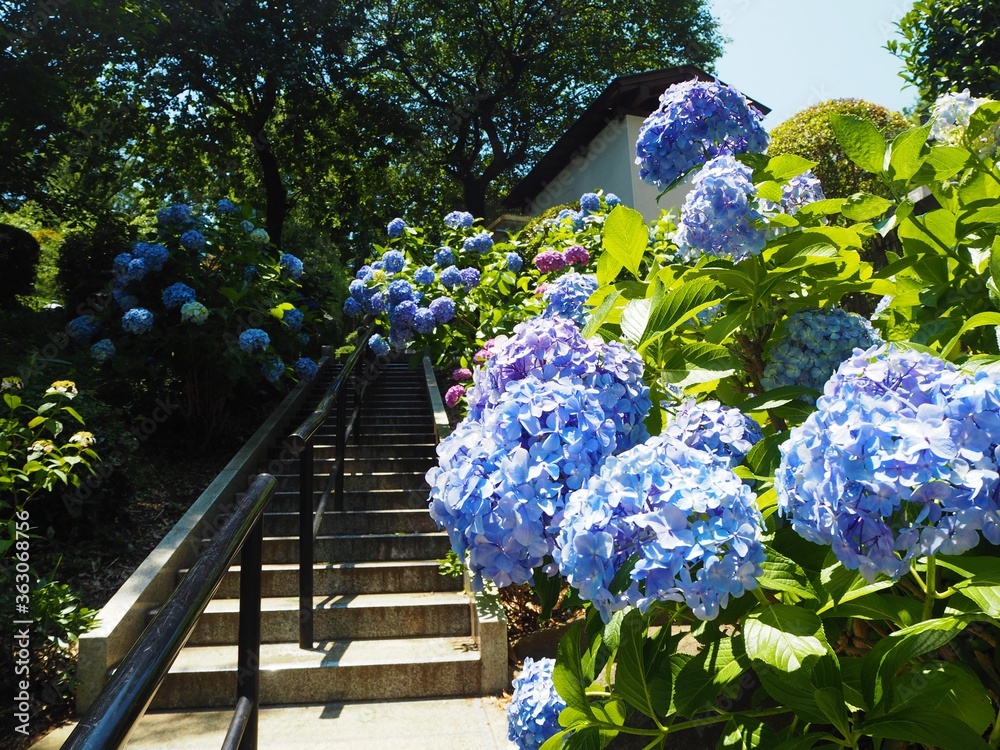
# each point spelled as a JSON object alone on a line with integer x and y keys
{"x": 347, "y": 601}
{"x": 359, "y": 564}
{"x": 338, "y": 653}
{"x": 343, "y": 537}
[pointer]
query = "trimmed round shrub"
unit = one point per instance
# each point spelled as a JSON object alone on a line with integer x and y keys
{"x": 19, "y": 253}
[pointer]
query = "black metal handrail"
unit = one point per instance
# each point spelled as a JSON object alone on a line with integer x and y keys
{"x": 125, "y": 698}
{"x": 301, "y": 443}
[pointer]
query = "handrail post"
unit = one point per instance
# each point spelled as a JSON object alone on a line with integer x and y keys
{"x": 341, "y": 450}
{"x": 306, "y": 546}
{"x": 248, "y": 665}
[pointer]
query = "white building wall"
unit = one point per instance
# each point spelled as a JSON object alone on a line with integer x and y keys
{"x": 644, "y": 194}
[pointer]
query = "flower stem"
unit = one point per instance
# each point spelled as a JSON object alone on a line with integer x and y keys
{"x": 931, "y": 589}
{"x": 995, "y": 734}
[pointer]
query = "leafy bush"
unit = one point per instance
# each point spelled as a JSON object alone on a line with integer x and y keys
{"x": 19, "y": 253}
{"x": 809, "y": 134}
{"x": 84, "y": 260}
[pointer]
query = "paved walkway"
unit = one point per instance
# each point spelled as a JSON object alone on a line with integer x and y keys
{"x": 441, "y": 724}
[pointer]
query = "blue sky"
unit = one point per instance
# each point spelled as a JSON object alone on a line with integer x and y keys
{"x": 790, "y": 54}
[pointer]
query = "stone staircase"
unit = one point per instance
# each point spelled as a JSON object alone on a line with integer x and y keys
{"x": 387, "y": 624}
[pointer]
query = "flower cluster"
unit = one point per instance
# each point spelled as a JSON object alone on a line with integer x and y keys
{"x": 814, "y": 344}
{"x": 177, "y": 294}
{"x": 305, "y": 368}
{"x": 533, "y": 713}
{"x": 720, "y": 216}
{"x": 567, "y": 297}
{"x": 291, "y": 265}
{"x": 690, "y": 521}
{"x": 545, "y": 412}
{"x": 138, "y": 320}
{"x": 254, "y": 340}
{"x": 194, "y": 312}
{"x": 800, "y": 190}
{"x": 696, "y": 121}
{"x": 83, "y": 328}
{"x": 103, "y": 350}
{"x": 950, "y": 115}
{"x": 899, "y": 461}
{"x": 726, "y": 433}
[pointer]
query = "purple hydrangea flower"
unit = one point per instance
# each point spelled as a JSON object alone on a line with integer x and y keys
{"x": 899, "y": 461}
{"x": 138, "y": 320}
{"x": 443, "y": 309}
{"x": 696, "y": 121}
{"x": 103, "y": 350}
{"x": 395, "y": 228}
{"x": 155, "y": 256}
{"x": 225, "y": 207}
{"x": 612, "y": 200}
{"x": 402, "y": 315}
{"x": 400, "y": 290}
{"x": 513, "y": 262}
{"x": 365, "y": 274}
{"x": 352, "y": 307}
{"x": 800, "y": 190}
{"x": 376, "y": 304}
{"x": 177, "y": 294}
{"x": 424, "y": 275}
{"x": 176, "y": 215}
{"x": 462, "y": 373}
{"x": 533, "y": 713}
{"x": 576, "y": 255}
{"x": 254, "y": 340}
{"x": 293, "y": 319}
{"x": 394, "y": 261}
{"x": 454, "y": 395}
{"x": 82, "y": 329}
{"x": 424, "y": 321}
{"x": 192, "y": 239}
{"x": 136, "y": 270}
{"x": 272, "y": 369}
{"x": 459, "y": 220}
{"x": 550, "y": 260}
{"x": 726, "y": 433}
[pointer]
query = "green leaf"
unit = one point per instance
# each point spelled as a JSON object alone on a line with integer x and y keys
{"x": 889, "y": 655}
{"x": 630, "y": 674}
{"x": 905, "y": 153}
{"x": 584, "y": 739}
{"x": 947, "y": 688}
{"x": 770, "y": 190}
{"x": 776, "y": 397}
{"x": 941, "y": 731}
{"x": 600, "y": 314}
{"x": 784, "y": 167}
{"x": 706, "y": 675}
{"x": 982, "y": 119}
{"x": 747, "y": 733}
{"x": 861, "y": 141}
{"x": 784, "y": 637}
{"x": 625, "y": 237}
{"x": 831, "y": 703}
{"x": 902, "y": 610}
{"x": 36, "y": 421}
{"x": 557, "y": 741}
{"x": 825, "y": 207}
{"x": 679, "y": 305}
{"x": 864, "y": 206}
{"x": 783, "y": 574}
{"x": 976, "y": 321}
{"x": 567, "y": 675}
{"x": 944, "y": 162}
{"x": 73, "y": 413}
{"x": 635, "y": 318}
{"x": 982, "y": 583}
{"x": 608, "y": 269}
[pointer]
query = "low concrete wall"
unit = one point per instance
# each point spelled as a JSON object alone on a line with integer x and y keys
{"x": 489, "y": 621}
{"x": 125, "y": 616}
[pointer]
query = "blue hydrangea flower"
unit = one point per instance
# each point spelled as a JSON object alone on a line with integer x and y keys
{"x": 176, "y": 215}
{"x": 726, "y": 433}
{"x": 451, "y": 277}
{"x": 514, "y": 262}
{"x": 365, "y": 273}
{"x": 459, "y": 220}
{"x": 424, "y": 321}
{"x": 590, "y": 203}
{"x": 899, "y": 461}
{"x": 247, "y": 226}
{"x": 402, "y": 315}
{"x": 394, "y": 261}
{"x": 192, "y": 239}
{"x": 260, "y": 236}
{"x": 719, "y": 215}
{"x": 254, "y": 340}
{"x": 470, "y": 278}
{"x": 376, "y": 304}
{"x": 82, "y": 329}
{"x": 567, "y": 297}
{"x": 395, "y": 228}
{"x": 378, "y": 345}
{"x": 194, "y": 312}
{"x": 444, "y": 257}
{"x": 950, "y": 115}
{"x": 155, "y": 256}
{"x": 800, "y": 190}
{"x": 480, "y": 243}
{"x": 305, "y": 369}
{"x": 293, "y": 319}
{"x": 612, "y": 200}
{"x": 533, "y": 713}
{"x": 693, "y": 524}
{"x": 400, "y": 336}
{"x": 138, "y": 320}
{"x": 272, "y": 369}
{"x": 400, "y": 290}
{"x": 814, "y": 344}
{"x": 570, "y": 217}
{"x": 177, "y": 294}
{"x": 124, "y": 300}
{"x": 137, "y": 269}
{"x": 251, "y": 274}
{"x": 225, "y": 207}
{"x": 291, "y": 265}
{"x": 352, "y": 307}
{"x": 443, "y": 309}
{"x": 424, "y": 275}
{"x": 103, "y": 350}
{"x": 696, "y": 121}
{"x": 120, "y": 264}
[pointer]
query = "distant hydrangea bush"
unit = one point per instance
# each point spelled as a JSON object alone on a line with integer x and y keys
{"x": 533, "y": 713}
{"x": 720, "y": 216}
{"x": 899, "y": 461}
{"x": 726, "y": 433}
{"x": 696, "y": 121}
{"x": 83, "y": 328}
{"x": 801, "y": 190}
{"x": 291, "y": 265}
{"x": 693, "y": 524}
{"x": 814, "y": 344}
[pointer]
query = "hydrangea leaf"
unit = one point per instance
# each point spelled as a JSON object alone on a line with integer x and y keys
{"x": 865, "y": 206}
{"x": 634, "y": 677}
{"x": 982, "y": 119}
{"x": 769, "y": 190}
{"x": 905, "y": 153}
{"x": 825, "y": 207}
{"x": 558, "y": 740}
{"x": 831, "y": 703}
{"x": 947, "y": 688}
{"x": 635, "y": 316}
{"x": 783, "y": 167}
{"x": 784, "y": 637}
{"x": 902, "y": 610}
{"x": 679, "y": 305}
{"x": 567, "y": 675}
{"x": 862, "y": 142}
{"x": 976, "y": 321}
{"x": 588, "y": 738}
{"x": 889, "y": 655}
{"x": 942, "y": 163}
{"x": 792, "y": 689}
{"x": 783, "y": 574}
{"x": 745, "y": 733}
{"x": 930, "y": 728}
{"x": 600, "y": 314}
{"x": 625, "y": 237}
{"x": 608, "y": 268}
{"x": 707, "y": 674}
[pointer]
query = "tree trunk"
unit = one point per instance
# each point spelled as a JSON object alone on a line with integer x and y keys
{"x": 275, "y": 193}
{"x": 474, "y": 196}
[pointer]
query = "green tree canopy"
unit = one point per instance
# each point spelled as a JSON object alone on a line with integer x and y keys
{"x": 950, "y": 45}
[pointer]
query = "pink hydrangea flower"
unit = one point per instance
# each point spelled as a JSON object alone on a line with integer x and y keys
{"x": 577, "y": 256}
{"x": 550, "y": 260}
{"x": 453, "y": 395}
{"x": 462, "y": 373}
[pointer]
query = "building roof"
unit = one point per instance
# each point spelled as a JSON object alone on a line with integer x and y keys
{"x": 636, "y": 94}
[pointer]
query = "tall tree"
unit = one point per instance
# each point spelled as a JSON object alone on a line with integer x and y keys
{"x": 951, "y": 45}
{"x": 492, "y": 84}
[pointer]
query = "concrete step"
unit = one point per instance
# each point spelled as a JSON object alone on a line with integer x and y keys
{"x": 360, "y": 548}
{"x": 376, "y": 669}
{"x": 373, "y": 577}
{"x": 378, "y": 499}
{"x": 406, "y": 615}
{"x": 354, "y": 522}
